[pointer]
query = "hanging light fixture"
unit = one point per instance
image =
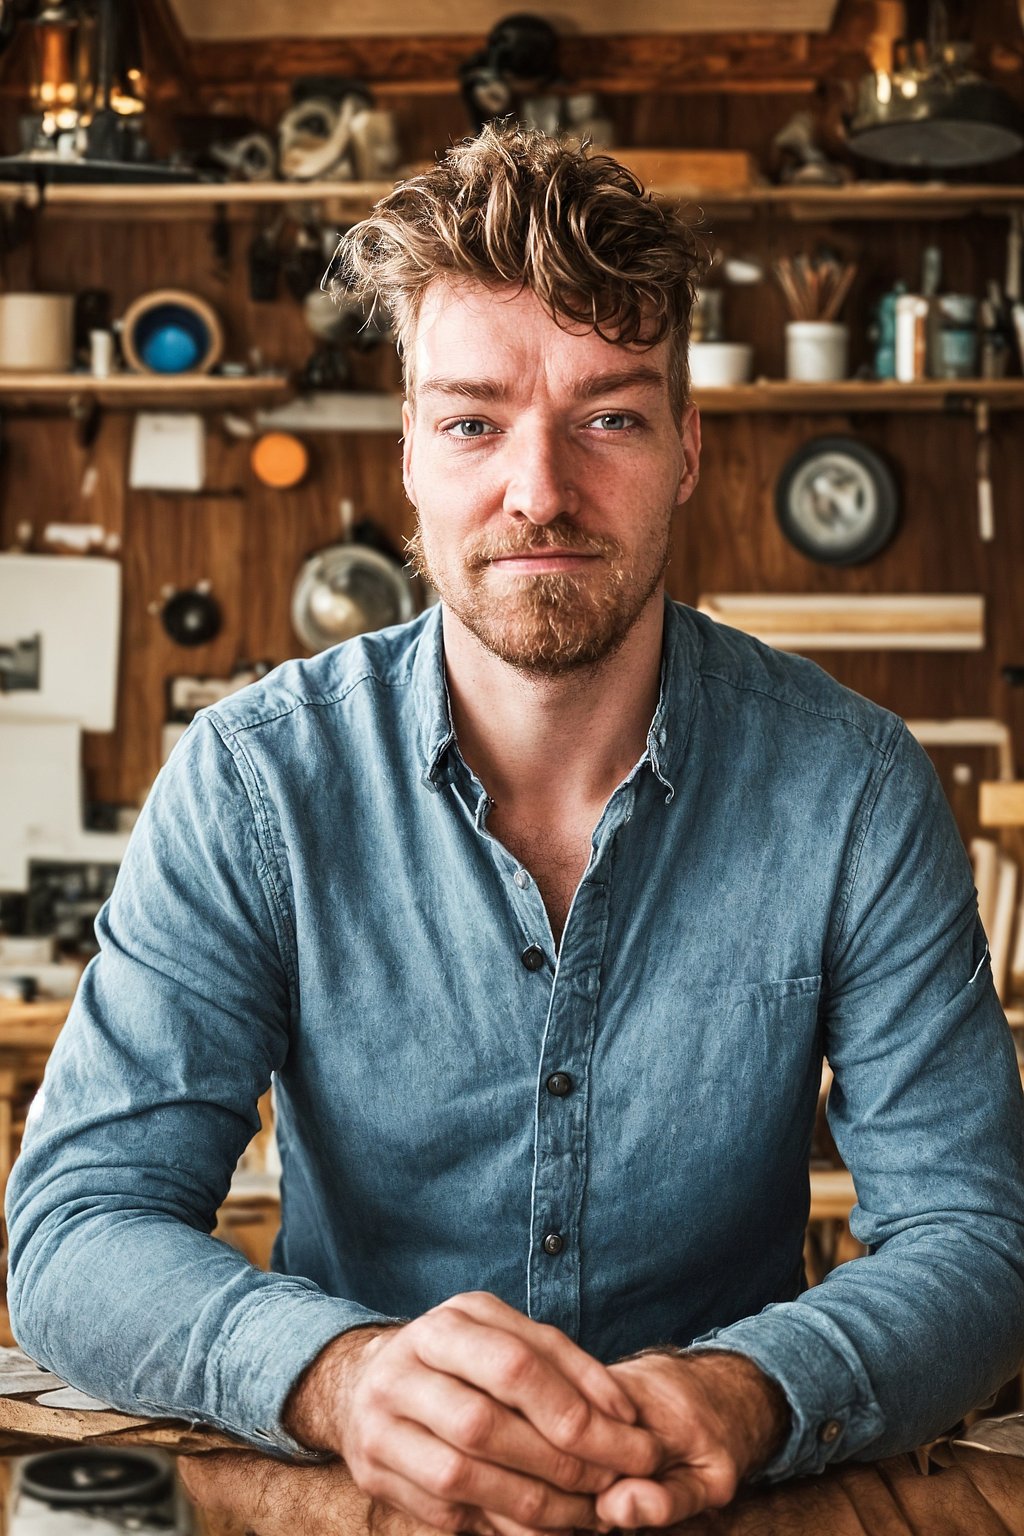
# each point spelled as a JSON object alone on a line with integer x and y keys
{"x": 931, "y": 111}
{"x": 54, "y": 76}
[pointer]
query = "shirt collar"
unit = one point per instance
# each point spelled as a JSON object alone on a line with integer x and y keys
{"x": 670, "y": 727}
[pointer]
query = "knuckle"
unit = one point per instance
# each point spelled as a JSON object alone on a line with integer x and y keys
{"x": 473, "y": 1425}
{"x": 514, "y": 1364}
{"x": 444, "y": 1516}
{"x": 568, "y": 1472}
{"x": 720, "y": 1483}
{"x": 571, "y": 1424}
{"x": 531, "y": 1505}
{"x": 449, "y": 1474}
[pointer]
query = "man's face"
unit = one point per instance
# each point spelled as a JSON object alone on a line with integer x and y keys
{"x": 545, "y": 467}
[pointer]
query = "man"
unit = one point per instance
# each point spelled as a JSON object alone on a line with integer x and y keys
{"x": 542, "y": 910}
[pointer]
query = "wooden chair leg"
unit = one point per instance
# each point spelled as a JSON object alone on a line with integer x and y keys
{"x": 6, "y": 1485}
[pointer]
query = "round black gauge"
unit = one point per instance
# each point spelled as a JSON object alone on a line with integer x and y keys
{"x": 837, "y": 501}
{"x": 192, "y": 617}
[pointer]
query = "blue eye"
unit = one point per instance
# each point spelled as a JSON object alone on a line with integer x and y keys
{"x": 474, "y": 427}
{"x": 613, "y": 421}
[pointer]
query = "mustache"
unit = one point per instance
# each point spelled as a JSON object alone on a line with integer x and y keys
{"x": 532, "y": 541}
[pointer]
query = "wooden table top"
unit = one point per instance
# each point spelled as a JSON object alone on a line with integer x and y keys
{"x": 957, "y": 1489}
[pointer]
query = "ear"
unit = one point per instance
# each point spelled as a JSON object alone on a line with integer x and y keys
{"x": 689, "y": 436}
{"x": 407, "y": 426}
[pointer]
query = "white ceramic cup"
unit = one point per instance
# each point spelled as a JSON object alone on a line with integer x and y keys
{"x": 718, "y": 364}
{"x": 817, "y": 351}
{"x": 101, "y": 354}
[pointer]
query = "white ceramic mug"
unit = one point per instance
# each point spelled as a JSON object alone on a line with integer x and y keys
{"x": 817, "y": 351}
{"x": 718, "y": 364}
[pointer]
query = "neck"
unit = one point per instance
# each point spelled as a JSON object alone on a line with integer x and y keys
{"x": 554, "y": 742}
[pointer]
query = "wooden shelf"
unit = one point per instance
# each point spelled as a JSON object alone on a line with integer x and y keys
{"x": 858, "y": 200}
{"x": 190, "y": 200}
{"x": 767, "y": 396}
{"x": 957, "y": 396}
{"x": 133, "y": 391}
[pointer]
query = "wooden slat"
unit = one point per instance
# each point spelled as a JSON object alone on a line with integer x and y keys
{"x": 832, "y": 1194}
{"x": 131, "y": 391}
{"x": 826, "y": 622}
{"x": 230, "y": 20}
{"x": 31, "y": 1026}
{"x": 1001, "y": 805}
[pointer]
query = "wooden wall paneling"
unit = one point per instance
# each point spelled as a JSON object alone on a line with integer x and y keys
{"x": 176, "y": 541}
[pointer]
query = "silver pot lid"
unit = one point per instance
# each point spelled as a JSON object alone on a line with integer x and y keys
{"x": 347, "y": 590}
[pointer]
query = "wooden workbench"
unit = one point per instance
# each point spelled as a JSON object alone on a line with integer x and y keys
{"x": 953, "y": 1488}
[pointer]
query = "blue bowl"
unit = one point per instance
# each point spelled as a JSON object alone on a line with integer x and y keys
{"x": 171, "y": 339}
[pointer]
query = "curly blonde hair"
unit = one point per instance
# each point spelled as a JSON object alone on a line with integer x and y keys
{"x": 516, "y": 206}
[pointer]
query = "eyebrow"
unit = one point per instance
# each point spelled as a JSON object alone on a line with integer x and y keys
{"x": 586, "y": 387}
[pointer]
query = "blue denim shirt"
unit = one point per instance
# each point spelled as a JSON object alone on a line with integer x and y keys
{"x": 312, "y": 894}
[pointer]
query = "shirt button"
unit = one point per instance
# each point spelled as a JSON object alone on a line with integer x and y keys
{"x": 553, "y": 1243}
{"x": 521, "y": 878}
{"x": 532, "y": 958}
{"x": 559, "y": 1083}
{"x": 830, "y": 1431}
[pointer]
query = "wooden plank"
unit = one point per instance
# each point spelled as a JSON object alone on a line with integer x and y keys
{"x": 31, "y": 1026}
{"x": 130, "y": 391}
{"x": 672, "y": 172}
{"x": 1001, "y": 804}
{"x": 833, "y": 1195}
{"x": 828, "y": 622}
{"x": 967, "y": 733}
{"x": 23, "y": 1418}
{"x": 232, "y": 20}
{"x": 776, "y": 396}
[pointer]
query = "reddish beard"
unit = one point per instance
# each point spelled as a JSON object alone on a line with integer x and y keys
{"x": 551, "y": 622}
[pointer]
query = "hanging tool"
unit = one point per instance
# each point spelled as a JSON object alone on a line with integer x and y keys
{"x": 986, "y": 511}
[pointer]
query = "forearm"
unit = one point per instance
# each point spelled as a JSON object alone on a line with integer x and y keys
{"x": 891, "y": 1350}
{"x": 154, "y": 1317}
{"x": 268, "y": 1498}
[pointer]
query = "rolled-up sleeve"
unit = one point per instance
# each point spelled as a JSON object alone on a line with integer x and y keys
{"x": 927, "y": 1112}
{"x": 148, "y": 1101}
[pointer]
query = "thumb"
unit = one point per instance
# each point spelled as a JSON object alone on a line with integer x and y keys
{"x": 638, "y": 1501}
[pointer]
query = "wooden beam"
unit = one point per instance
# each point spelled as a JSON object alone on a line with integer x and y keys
{"x": 668, "y": 62}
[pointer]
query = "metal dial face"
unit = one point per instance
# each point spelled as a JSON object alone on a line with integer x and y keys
{"x": 837, "y": 502}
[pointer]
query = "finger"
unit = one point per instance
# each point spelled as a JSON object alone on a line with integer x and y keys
{"x": 476, "y": 1423}
{"x": 445, "y": 1476}
{"x": 509, "y": 1368}
{"x": 592, "y": 1378}
{"x": 635, "y": 1501}
{"x": 513, "y": 1528}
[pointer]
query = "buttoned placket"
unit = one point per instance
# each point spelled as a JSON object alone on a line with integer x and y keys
{"x": 571, "y": 979}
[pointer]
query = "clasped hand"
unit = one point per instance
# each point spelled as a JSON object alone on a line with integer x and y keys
{"x": 474, "y": 1417}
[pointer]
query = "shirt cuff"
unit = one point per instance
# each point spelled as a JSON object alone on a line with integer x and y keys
{"x": 834, "y": 1412}
{"x": 270, "y": 1340}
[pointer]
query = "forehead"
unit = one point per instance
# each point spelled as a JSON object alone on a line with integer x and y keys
{"x": 487, "y": 328}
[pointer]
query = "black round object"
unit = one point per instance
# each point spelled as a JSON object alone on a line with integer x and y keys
{"x": 559, "y": 1084}
{"x": 191, "y": 618}
{"x": 532, "y": 957}
{"x": 836, "y": 501}
{"x": 524, "y": 47}
{"x": 553, "y": 1243}
{"x": 944, "y": 126}
{"x": 87, "y": 1475}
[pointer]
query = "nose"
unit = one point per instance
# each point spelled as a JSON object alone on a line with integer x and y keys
{"x": 539, "y": 486}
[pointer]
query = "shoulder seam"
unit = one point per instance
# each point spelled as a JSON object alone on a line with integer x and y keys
{"x": 802, "y": 705}
{"x": 862, "y": 823}
{"x": 272, "y": 890}
{"x": 314, "y": 702}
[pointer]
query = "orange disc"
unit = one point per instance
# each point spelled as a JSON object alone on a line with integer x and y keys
{"x": 279, "y": 460}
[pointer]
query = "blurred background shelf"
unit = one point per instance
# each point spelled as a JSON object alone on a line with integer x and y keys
{"x": 135, "y": 391}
